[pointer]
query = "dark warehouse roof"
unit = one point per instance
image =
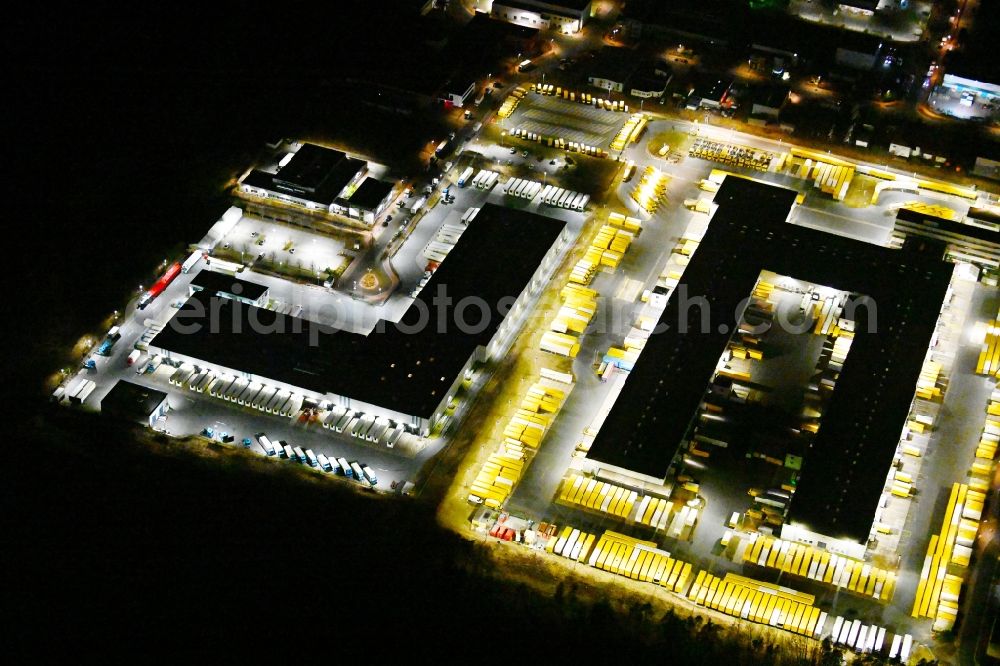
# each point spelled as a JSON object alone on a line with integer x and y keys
{"x": 845, "y": 466}
{"x": 404, "y": 366}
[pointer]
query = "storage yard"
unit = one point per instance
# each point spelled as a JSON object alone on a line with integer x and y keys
{"x": 786, "y": 451}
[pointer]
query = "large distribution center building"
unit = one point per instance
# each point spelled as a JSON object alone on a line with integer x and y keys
{"x": 407, "y": 371}
{"x": 845, "y": 465}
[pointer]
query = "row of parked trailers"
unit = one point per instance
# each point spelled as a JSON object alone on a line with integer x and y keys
{"x": 870, "y": 638}
{"x": 361, "y": 426}
{"x": 77, "y": 393}
{"x": 560, "y": 198}
{"x": 351, "y": 470}
{"x": 443, "y": 242}
{"x": 237, "y": 389}
{"x": 153, "y": 329}
{"x": 484, "y": 180}
{"x": 525, "y": 189}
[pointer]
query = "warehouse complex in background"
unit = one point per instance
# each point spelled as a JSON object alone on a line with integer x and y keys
{"x": 845, "y": 466}
{"x": 567, "y": 16}
{"x": 409, "y": 371}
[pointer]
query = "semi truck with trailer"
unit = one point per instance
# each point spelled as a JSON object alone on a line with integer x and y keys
{"x": 160, "y": 285}
{"x": 369, "y": 475}
{"x": 265, "y": 444}
{"x": 346, "y": 467}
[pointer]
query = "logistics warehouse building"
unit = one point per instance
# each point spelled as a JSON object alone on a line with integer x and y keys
{"x": 846, "y": 464}
{"x": 567, "y": 16}
{"x": 314, "y": 177}
{"x": 408, "y": 370}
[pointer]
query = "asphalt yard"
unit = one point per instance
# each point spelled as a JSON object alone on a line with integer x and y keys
{"x": 551, "y": 116}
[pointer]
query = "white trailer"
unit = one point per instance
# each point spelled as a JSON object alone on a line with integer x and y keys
{"x": 290, "y": 404}
{"x": 289, "y": 452}
{"x": 188, "y": 375}
{"x": 346, "y": 467}
{"x": 264, "y": 397}
{"x": 85, "y": 391}
{"x": 237, "y": 389}
{"x": 250, "y": 393}
{"x": 378, "y": 430}
{"x": 324, "y": 463}
{"x": 191, "y": 261}
{"x": 195, "y": 378}
{"x": 213, "y": 387}
{"x": 332, "y": 417}
{"x": 369, "y": 475}
{"x": 492, "y": 180}
{"x": 904, "y": 651}
{"x": 219, "y": 390}
{"x": 205, "y": 381}
{"x": 311, "y": 458}
{"x": 394, "y": 436}
{"x": 344, "y": 421}
{"x": 279, "y": 398}
{"x": 176, "y": 375}
{"x": 265, "y": 444}
{"x": 293, "y": 405}
{"x": 358, "y": 472}
{"x": 300, "y": 455}
{"x": 466, "y": 175}
{"x": 357, "y": 425}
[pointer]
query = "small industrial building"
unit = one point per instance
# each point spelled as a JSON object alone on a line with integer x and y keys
{"x": 567, "y": 16}
{"x": 408, "y": 371}
{"x": 367, "y": 201}
{"x": 650, "y": 81}
{"x": 970, "y": 88}
{"x": 708, "y": 91}
{"x": 768, "y": 101}
{"x": 458, "y": 92}
{"x": 846, "y": 462}
{"x": 213, "y": 283}
{"x": 312, "y": 177}
{"x": 132, "y": 402}
{"x": 857, "y": 50}
{"x": 966, "y": 98}
{"x": 611, "y": 69}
